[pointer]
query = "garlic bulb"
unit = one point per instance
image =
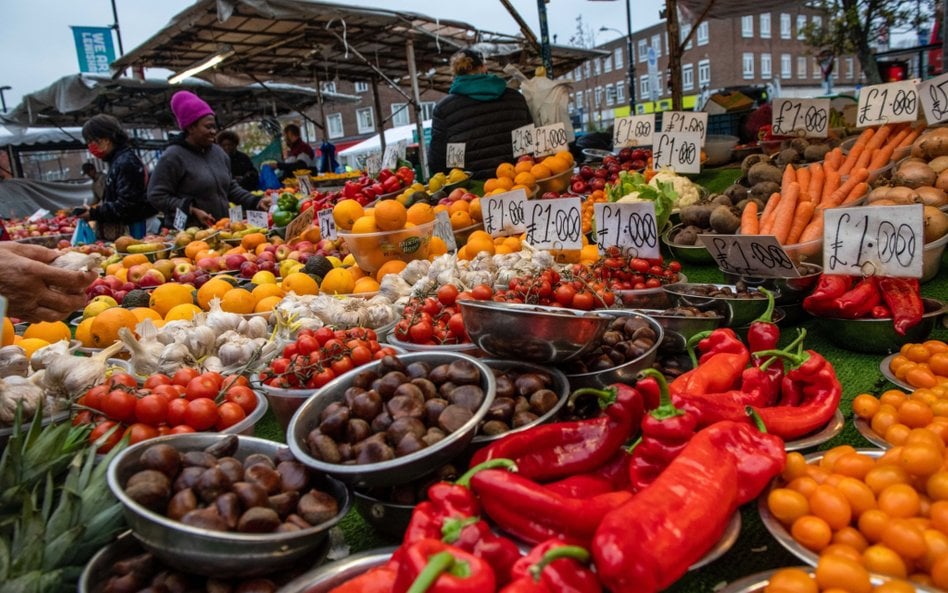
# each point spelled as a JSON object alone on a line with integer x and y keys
{"x": 173, "y": 357}
{"x": 393, "y": 286}
{"x": 415, "y": 270}
{"x": 45, "y": 355}
{"x": 15, "y": 390}
{"x": 13, "y": 361}
{"x": 212, "y": 364}
{"x": 144, "y": 353}
{"x": 78, "y": 262}
{"x": 219, "y": 320}
{"x": 200, "y": 341}
{"x": 350, "y": 314}
{"x": 68, "y": 376}
{"x": 254, "y": 327}
{"x": 175, "y": 331}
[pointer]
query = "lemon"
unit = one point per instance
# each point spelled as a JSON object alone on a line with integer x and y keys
{"x": 263, "y": 277}
{"x": 349, "y": 260}
{"x": 95, "y": 307}
{"x": 105, "y": 299}
{"x": 335, "y": 261}
{"x": 289, "y": 266}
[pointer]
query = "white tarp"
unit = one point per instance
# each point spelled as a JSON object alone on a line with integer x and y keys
{"x": 373, "y": 144}
{"x": 22, "y": 197}
{"x": 17, "y": 136}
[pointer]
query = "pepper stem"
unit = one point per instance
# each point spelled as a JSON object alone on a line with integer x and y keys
{"x": 451, "y": 528}
{"x": 631, "y": 448}
{"x": 768, "y": 315}
{"x": 438, "y": 564}
{"x": 758, "y": 421}
{"x": 692, "y": 342}
{"x": 796, "y": 343}
{"x": 605, "y": 396}
{"x": 666, "y": 409}
{"x": 795, "y": 360}
{"x": 465, "y": 479}
{"x": 572, "y": 552}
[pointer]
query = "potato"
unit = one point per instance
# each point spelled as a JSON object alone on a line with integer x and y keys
{"x": 931, "y": 144}
{"x": 936, "y": 223}
{"x": 896, "y": 195}
{"x": 942, "y": 181}
{"x": 764, "y": 172}
{"x": 932, "y": 196}
{"x": 912, "y": 174}
{"x": 939, "y": 164}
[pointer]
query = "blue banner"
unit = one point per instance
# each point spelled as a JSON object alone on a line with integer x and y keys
{"x": 94, "y": 48}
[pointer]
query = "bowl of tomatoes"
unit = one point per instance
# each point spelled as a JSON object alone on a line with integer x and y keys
{"x": 433, "y": 322}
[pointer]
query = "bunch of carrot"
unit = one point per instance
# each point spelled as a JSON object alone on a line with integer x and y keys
{"x": 795, "y": 214}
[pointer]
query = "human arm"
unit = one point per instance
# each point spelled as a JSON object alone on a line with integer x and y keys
{"x": 35, "y": 290}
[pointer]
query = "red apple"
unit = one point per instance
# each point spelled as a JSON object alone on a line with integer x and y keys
{"x": 266, "y": 256}
{"x": 267, "y": 265}
{"x": 208, "y": 264}
{"x": 586, "y": 172}
{"x": 598, "y": 183}
{"x": 186, "y": 278}
{"x": 135, "y": 274}
{"x": 128, "y": 286}
{"x": 578, "y": 187}
{"x": 456, "y": 194}
{"x": 152, "y": 277}
{"x": 233, "y": 261}
{"x": 200, "y": 279}
{"x": 114, "y": 283}
{"x": 248, "y": 269}
{"x": 525, "y": 157}
{"x": 271, "y": 248}
{"x": 304, "y": 246}
{"x": 282, "y": 252}
{"x": 98, "y": 290}
{"x": 182, "y": 269}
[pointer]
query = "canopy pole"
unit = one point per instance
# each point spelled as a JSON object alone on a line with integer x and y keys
{"x": 545, "y": 53}
{"x": 378, "y": 112}
{"x": 674, "y": 53}
{"x": 319, "y": 101}
{"x": 416, "y": 99}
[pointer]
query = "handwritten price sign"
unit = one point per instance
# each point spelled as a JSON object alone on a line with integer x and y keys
{"x": 887, "y": 103}
{"x": 934, "y": 96}
{"x": 503, "y": 213}
{"x": 801, "y": 117}
{"x": 444, "y": 231}
{"x": 236, "y": 214}
{"x": 635, "y": 130}
{"x": 554, "y": 224}
{"x": 630, "y": 226}
{"x": 686, "y": 121}
{"x": 327, "y": 224}
{"x": 180, "y": 219}
{"x": 522, "y": 140}
{"x": 877, "y": 240}
{"x": 455, "y": 156}
{"x": 679, "y": 150}
{"x": 750, "y": 255}
{"x": 373, "y": 164}
{"x": 549, "y": 139}
{"x": 258, "y": 218}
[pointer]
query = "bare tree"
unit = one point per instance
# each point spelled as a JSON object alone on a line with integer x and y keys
{"x": 584, "y": 35}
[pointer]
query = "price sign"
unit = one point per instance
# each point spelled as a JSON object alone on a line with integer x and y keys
{"x": 38, "y": 215}
{"x": 235, "y": 214}
{"x": 887, "y": 103}
{"x": 180, "y": 219}
{"x": 503, "y": 213}
{"x": 876, "y": 240}
{"x": 522, "y": 140}
{"x": 258, "y": 218}
{"x": 801, "y": 117}
{"x": 327, "y": 224}
{"x": 306, "y": 186}
{"x": 554, "y": 224}
{"x": 299, "y": 224}
{"x": 934, "y": 96}
{"x": 549, "y": 139}
{"x": 444, "y": 230}
{"x": 635, "y": 130}
{"x": 750, "y": 255}
{"x": 679, "y": 150}
{"x": 455, "y": 157}
{"x": 373, "y": 164}
{"x": 390, "y": 157}
{"x": 630, "y": 226}
{"x": 686, "y": 121}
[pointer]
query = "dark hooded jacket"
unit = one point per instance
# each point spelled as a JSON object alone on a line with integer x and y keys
{"x": 481, "y": 112}
{"x": 123, "y": 199}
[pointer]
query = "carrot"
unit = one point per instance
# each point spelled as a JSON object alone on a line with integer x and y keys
{"x": 750, "y": 225}
{"x": 817, "y": 177}
{"x": 837, "y": 197}
{"x": 861, "y": 141}
{"x": 783, "y": 213}
{"x": 881, "y": 157}
{"x": 863, "y": 161}
{"x": 801, "y": 218}
{"x": 858, "y": 191}
{"x": 789, "y": 176}
{"x": 879, "y": 138}
{"x": 912, "y": 137}
{"x": 830, "y": 185}
{"x": 814, "y": 230}
{"x": 803, "y": 178}
{"x": 767, "y": 217}
{"x": 833, "y": 158}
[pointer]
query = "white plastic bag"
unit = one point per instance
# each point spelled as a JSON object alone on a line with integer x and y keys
{"x": 547, "y": 99}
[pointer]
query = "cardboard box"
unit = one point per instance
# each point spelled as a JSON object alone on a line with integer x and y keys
{"x": 727, "y": 102}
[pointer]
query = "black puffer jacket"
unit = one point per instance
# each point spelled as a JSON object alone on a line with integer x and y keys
{"x": 483, "y": 126}
{"x": 123, "y": 200}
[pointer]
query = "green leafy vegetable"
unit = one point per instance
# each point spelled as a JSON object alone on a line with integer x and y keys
{"x": 633, "y": 187}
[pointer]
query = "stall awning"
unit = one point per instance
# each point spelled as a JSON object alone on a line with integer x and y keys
{"x": 725, "y": 9}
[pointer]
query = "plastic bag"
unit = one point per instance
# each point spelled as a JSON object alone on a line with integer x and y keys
{"x": 547, "y": 99}
{"x": 268, "y": 178}
{"x": 83, "y": 234}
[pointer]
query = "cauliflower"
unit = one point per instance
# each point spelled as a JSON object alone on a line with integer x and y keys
{"x": 687, "y": 191}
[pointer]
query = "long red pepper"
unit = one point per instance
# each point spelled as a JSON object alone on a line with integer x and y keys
{"x": 716, "y": 341}
{"x": 904, "y": 300}
{"x": 822, "y": 301}
{"x": 763, "y": 333}
{"x": 380, "y": 579}
{"x": 554, "y": 567}
{"x": 717, "y": 373}
{"x": 860, "y": 300}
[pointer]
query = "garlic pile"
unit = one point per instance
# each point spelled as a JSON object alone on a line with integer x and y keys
{"x": 45, "y": 355}
{"x": 78, "y": 262}
{"x": 69, "y": 376}
{"x": 314, "y": 311}
{"x": 19, "y": 390}
{"x": 13, "y": 362}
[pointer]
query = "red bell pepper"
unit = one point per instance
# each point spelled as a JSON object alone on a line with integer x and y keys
{"x": 904, "y": 299}
{"x": 432, "y": 566}
{"x": 380, "y": 579}
{"x": 722, "y": 339}
{"x": 860, "y": 300}
{"x": 763, "y": 333}
{"x": 557, "y": 450}
{"x": 766, "y": 375}
{"x": 385, "y": 174}
{"x": 554, "y": 567}
{"x": 822, "y": 301}
{"x": 350, "y": 189}
{"x": 880, "y": 312}
{"x": 406, "y": 175}
{"x": 392, "y": 184}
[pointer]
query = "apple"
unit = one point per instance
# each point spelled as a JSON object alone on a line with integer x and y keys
{"x": 304, "y": 246}
{"x": 128, "y": 286}
{"x": 549, "y": 195}
{"x": 266, "y": 256}
{"x": 114, "y": 283}
{"x": 200, "y": 278}
{"x": 578, "y": 187}
{"x": 598, "y": 183}
{"x": 233, "y": 261}
{"x": 152, "y": 277}
{"x": 304, "y": 257}
{"x": 136, "y": 273}
{"x": 525, "y": 157}
{"x": 98, "y": 290}
{"x": 271, "y": 248}
{"x": 165, "y": 266}
{"x": 282, "y": 251}
{"x": 268, "y": 266}
{"x": 601, "y": 173}
{"x": 586, "y": 172}
{"x": 208, "y": 264}
{"x": 181, "y": 269}
{"x": 327, "y": 245}
{"x": 119, "y": 296}
{"x": 186, "y": 278}
{"x": 468, "y": 196}
{"x": 248, "y": 269}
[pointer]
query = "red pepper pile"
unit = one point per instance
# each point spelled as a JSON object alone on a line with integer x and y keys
{"x": 872, "y": 297}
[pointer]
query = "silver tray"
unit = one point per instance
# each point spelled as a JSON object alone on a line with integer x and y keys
{"x": 728, "y": 538}
{"x": 887, "y": 373}
{"x": 832, "y": 428}
{"x": 870, "y": 435}
{"x": 756, "y": 583}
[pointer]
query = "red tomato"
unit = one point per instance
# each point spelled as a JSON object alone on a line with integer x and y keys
{"x": 152, "y": 409}
{"x": 167, "y": 392}
{"x": 564, "y": 294}
{"x": 482, "y": 292}
{"x": 584, "y": 301}
{"x": 421, "y": 332}
{"x": 202, "y": 386}
{"x": 230, "y": 414}
{"x": 183, "y": 376}
{"x": 306, "y": 345}
{"x": 181, "y": 429}
{"x": 119, "y": 405}
{"x": 243, "y": 397}
{"x": 156, "y": 380}
{"x": 139, "y": 432}
{"x": 82, "y": 418}
{"x": 122, "y": 379}
{"x": 342, "y": 365}
{"x": 324, "y": 334}
{"x": 176, "y": 408}
{"x": 361, "y": 355}
{"x": 109, "y": 439}
{"x": 456, "y": 326}
{"x": 93, "y": 398}
{"x": 216, "y": 377}
{"x": 201, "y": 413}
{"x": 233, "y": 380}
{"x": 321, "y": 378}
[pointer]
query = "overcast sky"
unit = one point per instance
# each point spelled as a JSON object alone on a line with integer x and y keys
{"x": 37, "y": 45}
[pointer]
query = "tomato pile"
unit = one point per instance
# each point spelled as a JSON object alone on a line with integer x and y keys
{"x": 635, "y": 273}
{"x": 550, "y": 288}
{"x": 436, "y": 319}
{"x": 189, "y": 401}
{"x": 319, "y": 356}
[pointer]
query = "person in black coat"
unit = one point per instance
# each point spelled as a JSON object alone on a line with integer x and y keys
{"x": 241, "y": 167}
{"x": 480, "y": 112}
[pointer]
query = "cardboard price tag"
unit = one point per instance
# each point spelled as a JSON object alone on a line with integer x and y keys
{"x": 801, "y": 117}
{"x": 635, "y": 130}
{"x": 887, "y": 103}
{"x": 628, "y": 226}
{"x": 390, "y": 157}
{"x": 554, "y": 224}
{"x": 934, "y": 96}
{"x": 373, "y": 164}
{"x": 455, "y": 156}
{"x": 522, "y": 140}
{"x": 235, "y": 214}
{"x": 679, "y": 150}
{"x": 327, "y": 224}
{"x": 503, "y": 213}
{"x": 550, "y": 139}
{"x": 38, "y": 215}
{"x": 444, "y": 230}
{"x": 750, "y": 255}
{"x": 874, "y": 240}
{"x": 686, "y": 121}
{"x": 180, "y": 219}
{"x": 306, "y": 186}
{"x": 258, "y": 218}
{"x": 299, "y": 224}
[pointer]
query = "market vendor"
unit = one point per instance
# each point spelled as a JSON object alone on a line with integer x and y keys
{"x": 36, "y": 290}
{"x": 193, "y": 174}
{"x": 480, "y": 112}
{"x": 299, "y": 154}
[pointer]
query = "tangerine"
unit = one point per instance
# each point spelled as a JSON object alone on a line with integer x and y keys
{"x": 505, "y": 183}
{"x": 266, "y": 304}
{"x": 459, "y": 206}
{"x": 420, "y": 213}
{"x": 524, "y": 166}
{"x": 390, "y": 215}
{"x": 105, "y": 326}
{"x": 365, "y": 224}
{"x": 185, "y": 311}
{"x": 566, "y": 156}
{"x": 51, "y": 331}
{"x": 526, "y": 179}
{"x": 460, "y": 219}
{"x": 302, "y": 283}
{"x": 143, "y": 313}
{"x": 8, "y": 331}
{"x": 84, "y": 332}
{"x": 505, "y": 170}
{"x": 238, "y": 300}
{"x": 436, "y": 247}
{"x": 192, "y": 249}
{"x": 346, "y": 212}
{"x": 365, "y": 284}
{"x": 475, "y": 210}
{"x": 541, "y": 171}
{"x": 392, "y": 266}
{"x": 215, "y": 287}
{"x": 356, "y": 272}
{"x": 491, "y": 184}
{"x": 480, "y": 241}
{"x": 262, "y": 291}
{"x": 251, "y": 241}
{"x": 134, "y": 260}
{"x": 170, "y": 294}
{"x": 337, "y": 281}
{"x": 556, "y": 164}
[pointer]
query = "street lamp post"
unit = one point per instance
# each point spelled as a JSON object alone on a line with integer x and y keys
{"x": 3, "y": 101}
{"x": 628, "y": 43}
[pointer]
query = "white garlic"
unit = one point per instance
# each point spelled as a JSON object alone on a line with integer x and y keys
{"x": 415, "y": 270}
{"x": 18, "y": 390}
{"x": 200, "y": 341}
{"x": 13, "y": 362}
{"x": 78, "y": 262}
{"x": 173, "y": 357}
{"x": 254, "y": 327}
{"x": 393, "y": 286}
{"x": 69, "y": 376}
{"x": 145, "y": 353}
{"x": 219, "y": 320}
{"x": 45, "y": 355}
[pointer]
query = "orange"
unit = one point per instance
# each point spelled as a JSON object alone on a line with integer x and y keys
{"x": 267, "y": 304}
{"x": 524, "y": 166}
{"x": 420, "y": 213}
{"x": 505, "y": 183}
{"x": 134, "y": 259}
{"x": 491, "y": 184}
{"x": 462, "y": 252}
{"x": 238, "y": 250}
{"x": 141, "y": 313}
{"x": 301, "y": 283}
{"x": 589, "y": 254}
{"x": 502, "y": 249}
{"x": 84, "y": 332}
{"x": 512, "y": 242}
{"x": 505, "y": 170}
{"x": 112, "y": 269}
{"x": 8, "y": 331}
{"x": 439, "y": 208}
{"x": 215, "y": 287}
{"x": 51, "y": 331}
{"x": 31, "y": 345}
{"x": 170, "y": 294}
{"x": 105, "y": 326}
{"x": 346, "y": 212}
{"x": 194, "y": 247}
{"x": 337, "y": 281}
{"x": 185, "y": 311}
{"x": 365, "y": 284}
{"x": 479, "y": 241}
{"x": 238, "y": 300}
{"x": 475, "y": 210}
{"x": 263, "y": 291}
{"x": 436, "y": 247}
{"x": 365, "y": 224}
{"x": 556, "y": 164}
{"x": 251, "y": 241}
{"x": 566, "y": 156}
{"x": 459, "y": 206}
{"x": 541, "y": 171}
{"x": 356, "y": 271}
{"x": 390, "y": 215}
{"x": 460, "y": 219}
{"x": 393, "y": 266}
{"x": 525, "y": 179}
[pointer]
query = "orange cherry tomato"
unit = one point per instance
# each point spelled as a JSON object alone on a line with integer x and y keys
{"x": 844, "y": 573}
{"x": 884, "y": 560}
{"x": 905, "y": 538}
{"x": 829, "y": 504}
{"x": 812, "y": 532}
{"x": 899, "y": 500}
{"x": 865, "y": 405}
{"x": 787, "y": 505}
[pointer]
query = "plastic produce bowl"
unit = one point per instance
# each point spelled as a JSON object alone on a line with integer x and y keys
{"x": 877, "y": 336}
{"x": 557, "y": 183}
{"x": 532, "y": 333}
{"x": 400, "y": 469}
{"x": 737, "y": 312}
{"x": 208, "y": 552}
{"x": 695, "y": 254}
{"x": 626, "y": 372}
{"x": 284, "y": 402}
{"x": 466, "y": 347}
{"x": 371, "y": 250}
{"x": 931, "y": 258}
{"x": 719, "y": 149}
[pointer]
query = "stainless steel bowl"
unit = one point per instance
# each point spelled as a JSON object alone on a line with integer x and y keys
{"x": 787, "y": 291}
{"x": 329, "y": 576}
{"x": 647, "y": 298}
{"x": 401, "y": 469}
{"x": 560, "y": 387}
{"x": 208, "y": 552}
{"x": 679, "y": 329}
{"x": 877, "y": 336}
{"x": 626, "y": 372}
{"x": 757, "y": 583}
{"x": 695, "y": 254}
{"x": 388, "y": 518}
{"x": 533, "y": 333}
{"x": 736, "y": 312}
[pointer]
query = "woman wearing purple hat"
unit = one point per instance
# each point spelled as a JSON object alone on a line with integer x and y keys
{"x": 193, "y": 173}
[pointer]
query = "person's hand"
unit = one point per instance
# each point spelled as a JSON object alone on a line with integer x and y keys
{"x": 264, "y": 203}
{"x": 84, "y": 215}
{"x": 203, "y": 217}
{"x": 35, "y": 290}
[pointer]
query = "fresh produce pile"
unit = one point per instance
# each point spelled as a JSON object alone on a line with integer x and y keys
{"x": 921, "y": 365}
{"x": 874, "y": 297}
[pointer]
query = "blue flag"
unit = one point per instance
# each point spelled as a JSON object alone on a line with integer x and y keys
{"x": 94, "y": 48}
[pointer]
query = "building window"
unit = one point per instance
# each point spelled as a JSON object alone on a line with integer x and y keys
{"x": 784, "y": 25}
{"x": 748, "y": 65}
{"x": 618, "y": 57}
{"x": 817, "y": 21}
{"x": 643, "y": 87}
{"x": 786, "y": 66}
{"x": 588, "y": 68}
{"x": 598, "y": 101}
{"x": 661, "y": 85}
{"x": 427, "y": 110}
{"x": 850, "y": 73}
{"x": 361, "y": 86}
{"x": 747, "y": 26}
{"x": 334, "y": 125}
{"x": 685, "y": 31}
{"x": 400, "y": 115}
{"x": 607, "y": 64}
{"x": 801, "y": 66}
{"x": 703, "y": 33}
{"x": 643, "y": 50}
{"x": 687, "y": 77}
{"x": 704, "y": 73}
{"x": 766, "y": 66}
{"x": 610, "y": 94}
{"x": 668, "y": 51}
{"x": 365, "y": 120}
{"x": 657, "y": 45}
{"x": 620, "y": 92}
{"x": 765, "y": 25}
{"x": 801, "y": 25}
{"x": 327, "y": 87}
{"x": 597, "y": 67}
{"x": 578, "y": 74}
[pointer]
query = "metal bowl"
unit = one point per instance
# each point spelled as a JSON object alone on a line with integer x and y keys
{"x": 865, "y": 429}
{"x": 400, "y": 469}
{"x": 329, "y": 576}
{"x": 736, "y": 312}
{"x": 208, "y": 552}
{"x": 679, "y": 329}
{"x": 388, "y": 518}
{"x": 626, "y": 372}
{"x": 695, "y": 254}
{"x": 931, "y": 258}
{"x": 877, "y": 336}
{"x": 533, "y": 333}
{"x": 649, "y": 298}
{"x": 789, "y": 292}
{"x": 757, "y": 583}
{"x": 560, "y": 386}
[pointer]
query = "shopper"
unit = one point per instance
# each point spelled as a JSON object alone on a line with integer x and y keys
{"x": 35, "y": 290}
{"x": 299, "y": 154}
{"x": 123, "y": 208}
{"x": 241, "y": 167}
{"x": 480, "y": 112}
{"x": 98, "y": 181}
{"x": 193, "y": 173}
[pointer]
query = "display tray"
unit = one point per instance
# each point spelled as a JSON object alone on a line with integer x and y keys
{"x": 832, "y": 428}
{"x": 757, "y": 583}
{"x": 863, "y": 428}
{"x": 890, "y": 377}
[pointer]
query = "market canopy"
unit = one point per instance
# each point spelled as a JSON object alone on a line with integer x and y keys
{"x": 725, "y": 9}
{"x": 72, "y": 100}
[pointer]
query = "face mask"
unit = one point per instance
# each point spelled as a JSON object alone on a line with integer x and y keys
{"x": 95, "y": 150}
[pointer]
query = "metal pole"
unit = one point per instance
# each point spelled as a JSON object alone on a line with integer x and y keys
{"x": 378, "y": 112}
{"x": 674, "y": 53}
{"x": 545, "y": 52}
{"x": 3, "y": 101}
{"x": 628, "y": 25}
{"x": 118, "y": 32}
{"x": 416, "y": 100}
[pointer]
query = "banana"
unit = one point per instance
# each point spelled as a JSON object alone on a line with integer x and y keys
{"x": 145, "y": 247}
